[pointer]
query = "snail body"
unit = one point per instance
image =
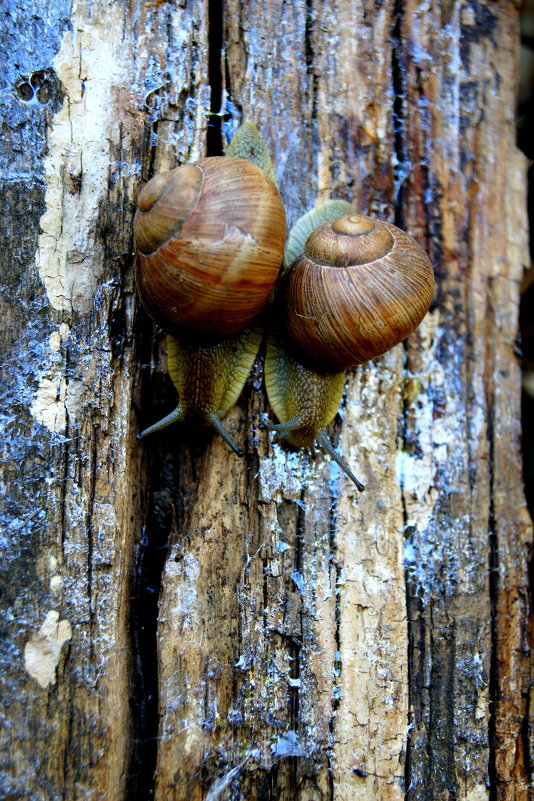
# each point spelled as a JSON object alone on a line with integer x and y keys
{"x": 358, "y": 288}
{"x": 210, "y": 238}
{"x": 209, "y": 379}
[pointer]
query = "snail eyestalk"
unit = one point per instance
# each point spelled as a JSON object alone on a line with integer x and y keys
{"x": 290, "y": 430}
{"x": 216, "y": 423}
{"x": 177, "y": 416}
{"x": 327, "y": 446}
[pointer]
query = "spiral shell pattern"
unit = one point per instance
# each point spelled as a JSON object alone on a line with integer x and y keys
{"x": 360, "y": 287}
{"x": 210, "y": 238}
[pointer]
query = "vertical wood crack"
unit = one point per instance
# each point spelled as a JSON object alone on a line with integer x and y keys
{"x": 493, "y": 567}
{"x": 215, "y": 77}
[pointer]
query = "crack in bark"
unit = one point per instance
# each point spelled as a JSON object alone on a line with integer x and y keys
{"x": 399, "y": 148}
{"x": 398, "y": 71}
{"x": 215, "y": 77}
{"x": 295, "y": 649}
{"x": 493, "y": 566}
{"x": 146, "y": 582}
{"x": 310, "y": 62}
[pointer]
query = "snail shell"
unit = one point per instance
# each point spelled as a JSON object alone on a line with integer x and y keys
{"x": 360, "y": 287}
{"x": 210, "y": 238}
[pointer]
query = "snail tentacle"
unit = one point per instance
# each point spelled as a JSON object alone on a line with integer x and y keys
{"x": 176, "y": 416}
{"x": 326, "y": 445}
{"x": 216, "y": 423}
{"x": 285, "y": 430}
{"x": 291, "y": 427}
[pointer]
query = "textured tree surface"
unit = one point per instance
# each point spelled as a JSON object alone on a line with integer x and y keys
{"x": 182, "y": 624}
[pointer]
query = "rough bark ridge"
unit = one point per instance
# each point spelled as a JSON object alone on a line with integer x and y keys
{"x": 181, "y": 623}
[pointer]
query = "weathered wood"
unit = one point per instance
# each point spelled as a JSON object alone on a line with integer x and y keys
{"x": 474, "y": 621}
{"x": 312, "y": 643}
{"x": 79, "y": 85}
{"x": 409, "y": 116}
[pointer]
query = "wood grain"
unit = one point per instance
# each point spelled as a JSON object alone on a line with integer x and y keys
{"x": 182, "y": 624}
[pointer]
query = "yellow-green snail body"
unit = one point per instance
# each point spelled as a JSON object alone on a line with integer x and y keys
{"x": 359, "y": 287}
{"x": 210, "y": 239}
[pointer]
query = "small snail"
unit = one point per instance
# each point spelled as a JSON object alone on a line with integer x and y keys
{"x": 210, "y": 238}
{"x": 359, "y": 287}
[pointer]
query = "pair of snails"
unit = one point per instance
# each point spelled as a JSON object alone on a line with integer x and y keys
{"x": 210, "y": 237}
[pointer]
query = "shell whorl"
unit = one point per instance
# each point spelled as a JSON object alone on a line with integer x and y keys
{"x": 352, "y": 239}
{"x": 164, "y": 204}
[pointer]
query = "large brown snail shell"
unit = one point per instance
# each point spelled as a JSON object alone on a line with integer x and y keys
{"x": 210, "y": 238}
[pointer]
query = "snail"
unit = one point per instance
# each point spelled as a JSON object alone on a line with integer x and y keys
{"x": 357, "y": 289}
{"x": 210, "y": 239}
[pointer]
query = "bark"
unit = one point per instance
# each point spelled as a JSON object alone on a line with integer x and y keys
{"x": 182, "y": 624}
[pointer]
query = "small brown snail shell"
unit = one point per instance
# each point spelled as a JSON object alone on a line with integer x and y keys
{"x": 210, "y": 238}
{"x": 360, "y": 287}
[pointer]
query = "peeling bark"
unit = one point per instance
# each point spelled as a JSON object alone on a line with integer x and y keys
{"x": 179, "y": 622}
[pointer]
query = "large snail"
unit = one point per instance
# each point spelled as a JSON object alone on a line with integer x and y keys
{"x": 358, "y": 288}
{"x": 210, "y": 238}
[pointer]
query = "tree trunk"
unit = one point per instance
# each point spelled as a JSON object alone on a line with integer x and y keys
{"x": 182, "y": 624}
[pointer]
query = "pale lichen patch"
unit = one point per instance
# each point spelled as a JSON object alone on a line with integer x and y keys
{"x": 56, "y": 583}
{"x": 91, "y": 63}
{"x": 183, "y": 577}
{"x": 49, "y": 403}
{"x": 48, "y": 406}
{"x": 43, "y": 650}
{"x": 478, "y": 793}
